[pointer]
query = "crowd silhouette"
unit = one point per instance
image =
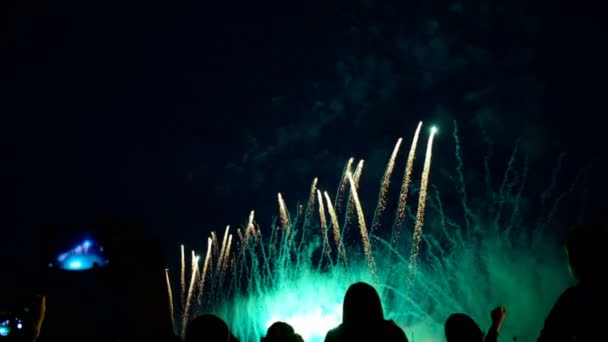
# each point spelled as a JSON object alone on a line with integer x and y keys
{"x": 577, "y": 315}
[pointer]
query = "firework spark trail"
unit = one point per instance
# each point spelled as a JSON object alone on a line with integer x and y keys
{"x": 186, "y": 313}
{"x": 363, "y": 227}
{"x": 550, "y": 189}
{"x": 226, "y": 256}
{"x": 323, "y": 219}
{"x": 556, "y": 170}
{"x": 336, "y": 230}
{"x": 193, "y": 265}
{"x": 285, "y": 222}
{"x": 215, "y": 245}
{"x": 248, "y": 231}
{"x": 342, "y": 187}
{"x": 222, "y": 251}
{"x": 350, "y": 208}
{"x": 201, "y": 283}
{"x": 518, "y": 195}
{"x": 224, "y": 264}
{"x": 309, "y": 212}
{"x": 486, "y": 160}
{"x": 214, "y": 255}
{"x": 384, "y": 184}
{"x": 299, "y": 213}
{"x": 503, "y": 185}
{"x": 421, "y": 206}
{"x": 286, "y": 227}
{"x": 182, "y": 278}
{"x": 241, "y": 252}
{"x": 220, "y": 260}
{"x": 272, "y": 250}
{"x": 555, "y": 207}
{"x": 251, "y": 224}
{"x": 239, "y": 233}
{"x": 441, "y": 214}
{"x": 405, "y": 184}
{"x": 357, "y": 175}
{"x": 462, "y": 185}
{"x": 452, "y": 256}
{"x": 171, "y": 304}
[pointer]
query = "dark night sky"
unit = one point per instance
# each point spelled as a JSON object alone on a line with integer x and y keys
{"x": 154, "y": 111}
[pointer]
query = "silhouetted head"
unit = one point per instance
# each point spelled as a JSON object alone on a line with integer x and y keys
{"x": 362, "y": 305}
{"x": 587, "y": 251}
{"x": 279, "y": 332}
{"x": 462, "y": 328}
{"x": 209, "y": 328}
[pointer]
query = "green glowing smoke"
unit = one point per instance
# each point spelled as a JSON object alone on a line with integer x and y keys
{"x": 487, "y": 256}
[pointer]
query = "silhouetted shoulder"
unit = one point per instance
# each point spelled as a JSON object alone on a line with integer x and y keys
{"x": 558, "y": 322}
{"x": 334, "y": 335}
{"x": 394, "y": 332}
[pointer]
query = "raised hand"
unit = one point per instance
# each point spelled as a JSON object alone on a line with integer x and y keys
{"x": 498, "y": 316}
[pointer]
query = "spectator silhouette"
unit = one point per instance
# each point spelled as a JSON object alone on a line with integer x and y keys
{"x": 363, "y": 318}
{"x": 208, "y": 328}
{"x": 580, "y": 311}
{"x": 460, "y": 327}
{"x": 137, "y": 269}
{"x": 281, "y": 332}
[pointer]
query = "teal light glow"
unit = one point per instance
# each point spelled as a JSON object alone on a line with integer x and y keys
{"x": 478, "y": 251}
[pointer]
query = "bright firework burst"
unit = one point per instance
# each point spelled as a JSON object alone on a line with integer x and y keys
{"x": 461, "y": 265}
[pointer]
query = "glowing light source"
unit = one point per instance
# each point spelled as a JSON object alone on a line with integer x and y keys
{"x": 312, "y": 323}
{"x": 82, "y": 257}
{"x": 434, "y": 130}
{"x": 74, "y": 264}
{"x": 5, "y": 328}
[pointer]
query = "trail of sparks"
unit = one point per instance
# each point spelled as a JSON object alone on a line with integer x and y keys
{"x": 421, "y": 207}
{"x": 171, "y": 304}
{"x": 323, "y": 220}
{"x": 309, "y": 211}
{"x": 336, "y": 230}
{"x": 215, "y": 245}
{"x": 363, "y": 227}
{"x": 504, "y": 184}
{"x": 248, "y": 230}
{"x": 182, "y": 278}
{"x": 386, "y": 181}
{"x": 225, "y": 267}
{"x": 350, "y": 209}
{"x": 461, "y": 186}
{"x": 220, "y": 260}
{"x": 224, "y": 262}
{"x": 284, "y": 215}
{"x": 405, "y": 184}
{"x": 357, "y": 175}
{"x": 342, "y": 187}
{"x": 201, "y": 284}
{"x": 186, "y": 313}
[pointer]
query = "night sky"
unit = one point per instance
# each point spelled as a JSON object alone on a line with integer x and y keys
{"x": 185, "y": 116}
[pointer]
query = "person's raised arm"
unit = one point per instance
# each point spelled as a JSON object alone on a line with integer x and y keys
{"x": 498, "y": 317}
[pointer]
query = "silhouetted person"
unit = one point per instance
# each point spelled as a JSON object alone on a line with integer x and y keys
{"x": 137, "y": 271}
{"x": 208, "y": 328}
{"x": 580, "y": 312}
{"x": 363, "y": 318}
{"x": 460, "y": 327}
{"x": 281, "y": 332}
